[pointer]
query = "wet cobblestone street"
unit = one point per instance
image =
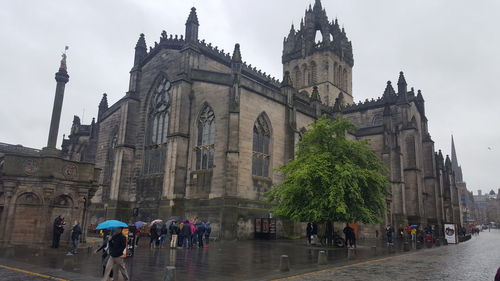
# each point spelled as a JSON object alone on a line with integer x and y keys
{"x": 474, "y": 260}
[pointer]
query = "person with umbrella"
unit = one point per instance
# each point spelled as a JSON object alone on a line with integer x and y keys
{"x": 117, "y": 245}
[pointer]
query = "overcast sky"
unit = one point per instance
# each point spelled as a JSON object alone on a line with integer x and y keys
{"x": 449, "y": 49}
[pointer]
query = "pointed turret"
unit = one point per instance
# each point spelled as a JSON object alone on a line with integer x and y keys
{"x": 389, "y": 91}
{"x": 402, "y": 86}
{"x": 192, "y": 25}
{"x": 419, "y": 96}
{"x": 402, "y": 89}
{"x": 103, "y": 106}
{"x": 317, "y": 6}
{"x": 141, "y": 50}
{"x": 287, "y": 80}
{"x": 447, "y": 162}
{"x": 315, "y": 95}
{"x": 236, "y": 58}
{"x": 339, "y": 103}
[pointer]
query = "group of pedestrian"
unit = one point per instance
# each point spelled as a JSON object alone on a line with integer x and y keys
{"x": 349, "y": 233}
{"x": 58, "y": 230}
{"x": 180, "y": 233}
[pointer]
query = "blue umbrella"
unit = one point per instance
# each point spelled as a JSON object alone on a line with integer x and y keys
{"x": 111, "y": 224}
{"x": 139, "y": 224}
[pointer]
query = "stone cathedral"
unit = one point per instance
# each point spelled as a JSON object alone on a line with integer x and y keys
{"x": 200, "y": 131}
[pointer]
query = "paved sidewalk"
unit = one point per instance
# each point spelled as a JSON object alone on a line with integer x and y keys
{"x": 477, "y": 259}
{"x": 225, "y": 260}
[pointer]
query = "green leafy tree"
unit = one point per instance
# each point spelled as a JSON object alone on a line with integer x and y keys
{"x": 332, "y": 178}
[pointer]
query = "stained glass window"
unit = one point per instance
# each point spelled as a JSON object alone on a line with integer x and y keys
{"x": 158, "y": 121}
{"x": 261, "y": 141}
{"x": 205, "y": 146}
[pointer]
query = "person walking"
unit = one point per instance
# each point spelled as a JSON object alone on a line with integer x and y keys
{"x": 208, "y": 230}
{"x": 76, "y": 232}
{"x": 350, "y": 238}
{"x": 309, "y": 233}
{"x": 57, "y": 231}
{"x": 389, "y": 231}
{"x": 117, "y": 245}
{"x": 105, "y": 253}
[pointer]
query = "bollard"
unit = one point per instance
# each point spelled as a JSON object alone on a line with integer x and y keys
{"x": 322, "y": 258}
{"x": 284, "y": 263}
{"x": 170, "y": 274}
{"x": 406, "y": 246}
{"x": 374, "y": 249}
{"x": 438, "y": 243}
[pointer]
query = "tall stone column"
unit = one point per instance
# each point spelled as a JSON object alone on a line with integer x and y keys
{"x": 62, "y": 78}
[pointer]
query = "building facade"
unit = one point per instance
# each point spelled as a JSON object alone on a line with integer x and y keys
{"x": 200, "y": 132}
{"x": 36, "y": 186}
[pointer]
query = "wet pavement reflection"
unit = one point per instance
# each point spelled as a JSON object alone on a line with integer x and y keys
{"x": 477, "y": 259}
{"x": 226, "y": 260}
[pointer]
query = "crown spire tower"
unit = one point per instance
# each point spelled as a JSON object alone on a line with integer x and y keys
{"x": 319, "y": 54}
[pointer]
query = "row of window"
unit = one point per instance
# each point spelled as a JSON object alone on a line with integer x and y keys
{"x": 158, "y": 121}
{"x": 306, "y": 75}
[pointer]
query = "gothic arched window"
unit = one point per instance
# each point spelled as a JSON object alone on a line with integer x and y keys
{"x": 335, "y": 79}
{"x": 297, "y": 77}
{"x": 205, "y": 146}
{"x": 159, "y": 113}
{"x": 158, "y": 121}
{"x": 314, "y": 73}
{"x": 261, "y": 142}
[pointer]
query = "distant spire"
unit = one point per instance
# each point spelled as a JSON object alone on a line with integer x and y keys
{"x": 287, "y": 80}
{"x": 315, "y": 94}
{"x": 236, "y": 54}
{"x": 454, "y": 162}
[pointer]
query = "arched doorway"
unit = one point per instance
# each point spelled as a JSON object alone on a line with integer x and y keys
{"x": 27, "y": 216}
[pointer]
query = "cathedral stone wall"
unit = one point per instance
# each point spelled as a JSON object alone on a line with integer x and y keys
{"x": 190, "y": 82}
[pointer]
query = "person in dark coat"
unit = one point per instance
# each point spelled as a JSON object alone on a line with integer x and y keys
{"x": 200, "y": 231}
{"x": 58, "y": 229}
{"x": 117, "y": 245}
{"x": 350, "y": 238}
{"x": 76, "y": 231}
{"x": 208, "y": 231}
{"x": 186, "y": 235}
{"x": 154, "y": 232}
{"x": 309, "y": 233}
